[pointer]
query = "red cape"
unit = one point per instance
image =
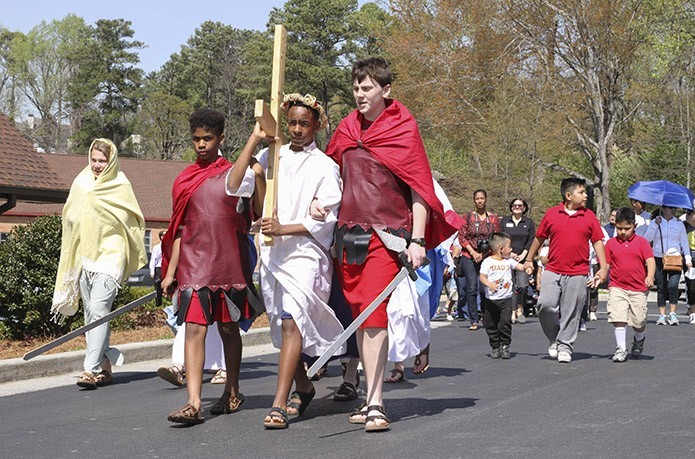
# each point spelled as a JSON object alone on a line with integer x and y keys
{"x": 188, "y": 181}
{"x": 394, "y": 140}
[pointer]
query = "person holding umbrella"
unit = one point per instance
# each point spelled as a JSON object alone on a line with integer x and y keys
{"x": 668, "y": 236}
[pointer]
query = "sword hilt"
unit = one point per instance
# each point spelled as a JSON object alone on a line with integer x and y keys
{"x": 403, "y": 258}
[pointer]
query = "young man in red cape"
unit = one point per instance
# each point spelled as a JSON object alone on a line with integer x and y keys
{"x": 387, "y": 186}
{"x": 205, "y": 258}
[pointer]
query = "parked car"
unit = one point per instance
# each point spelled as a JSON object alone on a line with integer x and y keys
{"x": 141, "y": 278}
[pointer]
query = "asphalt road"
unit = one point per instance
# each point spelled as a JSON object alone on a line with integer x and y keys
{"x": 466, "y": 405}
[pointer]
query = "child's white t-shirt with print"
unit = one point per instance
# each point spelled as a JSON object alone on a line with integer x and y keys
{"x": 499, "y": 272}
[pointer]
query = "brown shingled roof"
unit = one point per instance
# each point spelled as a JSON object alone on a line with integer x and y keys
{"x": 23, "y": 173}
{"x": 151, "y": 180}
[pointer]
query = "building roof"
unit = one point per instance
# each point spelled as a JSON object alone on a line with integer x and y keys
{"x": 151, "y": 180}
{"x": 23, "y": 174}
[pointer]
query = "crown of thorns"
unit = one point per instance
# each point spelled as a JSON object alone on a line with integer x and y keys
{"x": 307, "y": 100}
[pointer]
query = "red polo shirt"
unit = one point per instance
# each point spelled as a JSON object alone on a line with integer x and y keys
{"x": 569, "y": 239}
{"x": 627, "y": 260}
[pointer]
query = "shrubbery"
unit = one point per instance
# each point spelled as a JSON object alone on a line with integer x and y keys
{"x": 28, "y": 265}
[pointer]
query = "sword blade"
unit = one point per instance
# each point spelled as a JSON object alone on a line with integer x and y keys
{"x": 343, "y": 337}
{"x": 85, "y": 328}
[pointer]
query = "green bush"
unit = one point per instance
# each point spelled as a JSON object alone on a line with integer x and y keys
{"x": 28, "y": 265}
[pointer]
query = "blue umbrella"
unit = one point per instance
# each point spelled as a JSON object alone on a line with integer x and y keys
{"x": 663, "y": 193}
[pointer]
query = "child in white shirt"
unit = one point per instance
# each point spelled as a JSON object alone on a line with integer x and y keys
{"x": 496, "y": 276}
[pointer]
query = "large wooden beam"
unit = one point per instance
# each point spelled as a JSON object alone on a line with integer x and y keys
{"x": 269, "y": 118}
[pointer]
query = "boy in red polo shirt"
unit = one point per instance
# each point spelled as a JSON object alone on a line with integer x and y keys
{"x": 632, "y": 268}
{"x": 570, "y": 227}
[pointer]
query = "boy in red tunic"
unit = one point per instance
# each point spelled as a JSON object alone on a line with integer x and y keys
{"x": 570, "y": 227}
{"x": 387, "y": 185}
{"x": 206, "y": 259}
{"x": 632, "y": 266}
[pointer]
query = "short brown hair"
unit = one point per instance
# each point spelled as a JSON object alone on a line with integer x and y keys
{"x": 374, "y": 67}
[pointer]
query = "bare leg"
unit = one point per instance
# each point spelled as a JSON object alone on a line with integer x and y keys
{"x": 672, "y": 306}
{"x": 290, "y": 365}
{"x": 351, "y": 371}
{"x": 373, "y": 346}
{"x": 194, "y": 351}
{"x": 231, "y": 341}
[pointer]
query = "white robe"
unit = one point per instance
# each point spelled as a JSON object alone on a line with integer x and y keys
{"x": 409, "y": 311}
{"x": 296, "y": 270}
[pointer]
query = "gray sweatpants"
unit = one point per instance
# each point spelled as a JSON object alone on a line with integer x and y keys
{"x": 98, "y": 292}
{"x": 561, "y": 295}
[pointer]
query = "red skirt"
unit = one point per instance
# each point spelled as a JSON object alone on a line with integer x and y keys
{"x": 218, "y": 304}
{"x": 363, "y": 283}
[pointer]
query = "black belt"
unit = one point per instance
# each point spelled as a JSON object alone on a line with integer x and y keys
{"x": 355, "y": 242}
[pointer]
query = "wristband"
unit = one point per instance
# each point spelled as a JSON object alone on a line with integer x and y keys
{"x": 419, "y": 241}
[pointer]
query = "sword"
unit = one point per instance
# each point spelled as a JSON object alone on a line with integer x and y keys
{"x": 406, "y": 270}
{"x": 85, "y": 328}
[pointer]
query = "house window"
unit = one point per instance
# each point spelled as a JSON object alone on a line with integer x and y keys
{"x": 3, "y": 237}
{"x": 148, "y": 240}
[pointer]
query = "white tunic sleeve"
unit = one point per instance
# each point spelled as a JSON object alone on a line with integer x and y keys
{"x": 247, "y": 186}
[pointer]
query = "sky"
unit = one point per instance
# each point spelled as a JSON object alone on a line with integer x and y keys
{"x": 162, "y": 25}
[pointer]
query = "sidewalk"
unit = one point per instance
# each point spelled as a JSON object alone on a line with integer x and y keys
{"x": 68, "y": 362}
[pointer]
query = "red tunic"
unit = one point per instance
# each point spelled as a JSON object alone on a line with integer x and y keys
{"x": 379, "y": 166}
{"x": 214, "y": 250}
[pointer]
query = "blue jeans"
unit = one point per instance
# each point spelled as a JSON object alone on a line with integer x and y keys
{"x": 461, "y": 303}
{"x": 666, "y": 284}
{"x": 471, "y": 270}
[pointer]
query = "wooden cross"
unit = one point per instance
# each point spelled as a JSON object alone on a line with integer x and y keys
{"x": 269, "y": 119}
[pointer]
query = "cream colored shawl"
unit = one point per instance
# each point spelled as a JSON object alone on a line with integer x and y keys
{"x": 103, "y": 232}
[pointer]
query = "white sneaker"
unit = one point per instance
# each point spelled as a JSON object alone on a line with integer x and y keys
{"x": 592, "y": 316}
{"x": 620, "y": 355}
{"x": 449, "y": 317}
{"x": 564, "y": 357}
{"x": 692, "y": 318}
{"x": 582, "y": 326}
{"x": 552, "y": 350}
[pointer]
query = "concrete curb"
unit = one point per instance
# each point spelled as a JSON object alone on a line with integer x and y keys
{"x": 68, "y": 362}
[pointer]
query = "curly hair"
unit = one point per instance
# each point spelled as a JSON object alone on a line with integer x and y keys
{"x": 208, "y": 119}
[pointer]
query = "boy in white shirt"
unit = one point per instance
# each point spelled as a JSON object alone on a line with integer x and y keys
{"x": 496, "y": 276}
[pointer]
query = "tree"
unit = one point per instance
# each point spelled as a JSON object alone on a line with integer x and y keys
{"x": 107, "y": 87}
{"x": 206, "y": 73}
{"x": 8, "y": 93}
{"x": 42, "y": 66}
{"x": 162, "y": 122}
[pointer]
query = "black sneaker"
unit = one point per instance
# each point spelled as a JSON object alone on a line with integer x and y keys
{"x": 495, "y": 354}
{"x": 504, "y": 351}
{"x": 637, "y": 347}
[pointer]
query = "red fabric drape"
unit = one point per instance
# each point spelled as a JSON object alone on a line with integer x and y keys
{"x": 394, "y": 140}
{"x": 188, "y": 181}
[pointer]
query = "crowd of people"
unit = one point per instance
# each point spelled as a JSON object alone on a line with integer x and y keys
{"x": 345, "y": 224}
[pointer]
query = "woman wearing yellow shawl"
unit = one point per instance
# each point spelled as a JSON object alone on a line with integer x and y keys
{"x": 102, "y": 244}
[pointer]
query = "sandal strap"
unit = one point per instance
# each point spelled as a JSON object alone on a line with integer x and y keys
{"x": 381, "y": 415}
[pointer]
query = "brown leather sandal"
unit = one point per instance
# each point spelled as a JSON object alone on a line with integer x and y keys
{"x": 189, "y": 414}
{"x": 276, "y": 419}
{"x": 375, "y": 426}
{"x": 87, "y": 380}
{"x": 227, "y": 404}
{"x": 359, "y": 416}
{"x": 103, "y": 378}
{"x": 173, "y": 374}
